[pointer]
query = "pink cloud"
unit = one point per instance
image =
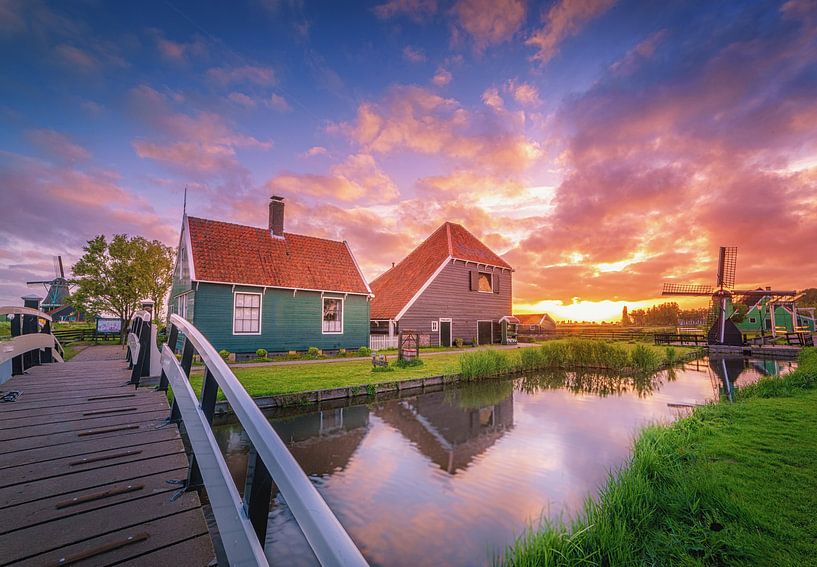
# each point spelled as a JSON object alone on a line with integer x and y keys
{"x": 413, "y": 54}
{"x": 241, "y": 99}
{"x": 490, "y": 22}
{"x": 442, "y": 77}
{"x": 58, "y": 145}
{"x": 279, "y": 103}
{"x": 564, "y": 19}
{"x": 523, "y": 93}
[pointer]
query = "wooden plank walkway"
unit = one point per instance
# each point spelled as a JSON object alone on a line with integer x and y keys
{"x": 84, "y": 465}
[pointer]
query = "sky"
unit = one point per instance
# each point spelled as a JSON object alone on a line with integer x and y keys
{"x": 602, "y": 147}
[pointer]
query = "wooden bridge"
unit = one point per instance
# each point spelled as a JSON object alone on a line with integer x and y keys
{"x": 84, "y": 470}
{"x": 94, "y": 471}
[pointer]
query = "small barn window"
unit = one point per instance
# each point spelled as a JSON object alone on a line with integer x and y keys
{"x": 332, "y": 315}
{"x": 435, "y": 326}
{"x": 247, "y": 314}
{"x": 486, "y": 282}
{"x": 752, "y": 320}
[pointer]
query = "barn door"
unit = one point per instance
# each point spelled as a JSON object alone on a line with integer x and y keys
{"x": 485, "y": 332}
{"x": 445, "y": 333}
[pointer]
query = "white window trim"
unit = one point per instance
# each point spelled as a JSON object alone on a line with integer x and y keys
{"x": 260, "y": 312}
{"x": 342, "y": 315}
{"x": 435, "y": 326}
{"x": 491, "y": 275}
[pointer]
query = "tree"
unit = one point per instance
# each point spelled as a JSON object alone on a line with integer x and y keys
{"x": 625, "y": 317}
{"x": 113, "y": 277}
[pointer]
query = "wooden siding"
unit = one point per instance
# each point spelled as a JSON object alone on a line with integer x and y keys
{"x": 449, "y": 296}
{"x": 181, "y": 280}
{"x": 287, "y": 322}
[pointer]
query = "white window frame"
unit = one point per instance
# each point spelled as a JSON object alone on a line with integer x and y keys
{"x": 181, "y": 299}
{"x": 260, "y": 312}
{"x": 491, "y": 276}
{"x": 342, "y": 315}
{"x": 435, "y": 326}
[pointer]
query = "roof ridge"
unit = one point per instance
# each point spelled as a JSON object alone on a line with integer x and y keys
{"x": 266, "y": 229}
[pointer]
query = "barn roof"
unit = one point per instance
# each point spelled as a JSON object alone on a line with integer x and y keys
{"x": 232, "y": 253}
{"x": 397, "y": 287}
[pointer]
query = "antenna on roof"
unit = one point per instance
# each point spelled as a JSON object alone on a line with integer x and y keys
{"x": 184, "y": 206}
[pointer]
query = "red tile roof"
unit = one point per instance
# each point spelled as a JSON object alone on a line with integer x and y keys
{"x": 233, "y": 253}
{"x": 394, "y": 289}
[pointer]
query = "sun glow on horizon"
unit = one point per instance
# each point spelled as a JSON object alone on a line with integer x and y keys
{"x": 597, "y": 311}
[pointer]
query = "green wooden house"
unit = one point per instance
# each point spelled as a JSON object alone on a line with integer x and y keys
{"x": 247, "y": 288}
{"x": 770, "y": 312}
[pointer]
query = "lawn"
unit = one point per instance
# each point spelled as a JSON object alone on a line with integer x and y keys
{"x": 292, "y": 378}
{"x": 733, "y": 484}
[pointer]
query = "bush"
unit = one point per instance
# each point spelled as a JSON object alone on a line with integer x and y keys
{"x": 313, "y": 352}
{"x": 364, "y": 351}
{"x": 458, "y": 342}
{"x": 224, "y": 353}
{"x": 382, "y": 369}
{"x": 261, "y": 353}
{"x": 672, "y": 356}
{"x": 484, "y": 363}
{"x": 408, "y": 363}
{"x": 342, "y": 353}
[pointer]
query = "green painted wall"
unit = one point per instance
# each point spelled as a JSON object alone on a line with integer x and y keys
{"x": 287, "y": 322}
{"x": 782, "y": 318}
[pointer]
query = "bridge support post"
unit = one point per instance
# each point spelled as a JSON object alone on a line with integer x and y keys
{"x": 141, "y": 366}
{"x": 172, "y": 339}
{"x": 257, "y": 492}
{"x": 30, "y": 325}
{"x": 209, "y": 393}
{"x": 186, "y": 363}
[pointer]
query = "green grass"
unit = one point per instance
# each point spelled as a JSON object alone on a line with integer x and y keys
{"x": 5, "y": 328}
{"x": 733, "y": 484}
{"x": 294, "y": 378}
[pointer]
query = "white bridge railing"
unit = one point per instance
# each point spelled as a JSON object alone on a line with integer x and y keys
{"x": 242, "y": 524}
{"x": 27, "y": 347}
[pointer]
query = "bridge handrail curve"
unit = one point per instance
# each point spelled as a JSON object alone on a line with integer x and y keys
{"x": 15, "y": 310}
{"x": 326, "y": 536}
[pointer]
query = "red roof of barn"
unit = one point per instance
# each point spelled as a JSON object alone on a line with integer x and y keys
{"x": 238, "y": 254}
{"x": 395, "y": 288}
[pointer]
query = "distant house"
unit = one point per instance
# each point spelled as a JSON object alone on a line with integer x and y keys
{"x": 247, "y": 288}
{"x": 534, "y": 323}
{"x": 451, "y": 286}
{"x": 778, "y": 313}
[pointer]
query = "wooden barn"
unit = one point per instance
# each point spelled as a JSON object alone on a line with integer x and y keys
{"x": 535, "y": 322}
{"x": 451, "y": 286}
{"x": 247, "y": 288}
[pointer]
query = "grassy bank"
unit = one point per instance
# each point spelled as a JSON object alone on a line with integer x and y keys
{"x": 287, "y": 379}
{"x": 733, "y": 484}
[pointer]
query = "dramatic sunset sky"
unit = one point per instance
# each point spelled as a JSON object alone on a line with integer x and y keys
{"x": 601, "y": 147}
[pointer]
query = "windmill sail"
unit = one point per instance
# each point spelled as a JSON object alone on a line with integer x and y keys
{"x": 727, "y": 261}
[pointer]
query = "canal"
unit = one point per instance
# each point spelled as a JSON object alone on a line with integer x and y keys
{"x": 453, "y": 476}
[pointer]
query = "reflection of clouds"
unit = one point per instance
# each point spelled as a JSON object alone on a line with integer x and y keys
{"x": 402, "y": 508}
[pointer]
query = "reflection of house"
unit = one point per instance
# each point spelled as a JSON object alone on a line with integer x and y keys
{"x": 533, "y": 323}
{"x": 322, "y": 442}
{"x": 247, "y": 288}
{"x": 451, "y": 286}
{"x": 448, "y": 435}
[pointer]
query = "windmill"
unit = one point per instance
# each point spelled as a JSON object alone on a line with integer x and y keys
{"x": 722, "y": 331}
{"x": 56, "y": 290}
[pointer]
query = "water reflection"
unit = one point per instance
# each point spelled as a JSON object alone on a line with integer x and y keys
{"x": 450, "y": 477}
{"x": 732, "y": 372}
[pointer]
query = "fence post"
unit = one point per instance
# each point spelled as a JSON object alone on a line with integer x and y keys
{"x": 30, "y": 325}
{"x": 141, "y": 366}
{"x": 47, "y": 356}
{"x": 186, "y": 363}
{"x": 16, "y": 331}
{"x": 172, "y": 338}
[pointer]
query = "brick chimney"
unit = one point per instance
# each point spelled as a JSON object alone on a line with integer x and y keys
{"x": 276, "y": 216}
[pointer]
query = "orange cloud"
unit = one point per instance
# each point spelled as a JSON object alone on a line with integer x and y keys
{"x": 357, "y": 178}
